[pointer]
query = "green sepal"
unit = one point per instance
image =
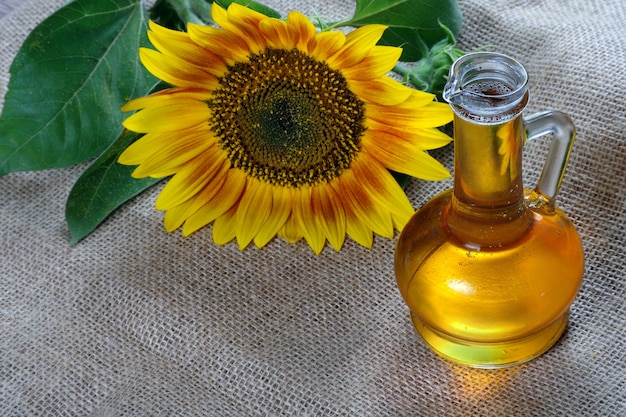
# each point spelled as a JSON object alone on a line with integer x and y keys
{"x": 102, "y": 188}
{"x": 430, "y": 73}
{"x": 68, "y": 81}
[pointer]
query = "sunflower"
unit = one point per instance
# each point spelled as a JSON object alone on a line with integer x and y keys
{"x": 272, "y": 128}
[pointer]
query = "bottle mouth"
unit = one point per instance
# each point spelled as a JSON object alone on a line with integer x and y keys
{"x": 487, "y": 87}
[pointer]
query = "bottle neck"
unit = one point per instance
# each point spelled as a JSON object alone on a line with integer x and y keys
{"x": 488, "y": 199}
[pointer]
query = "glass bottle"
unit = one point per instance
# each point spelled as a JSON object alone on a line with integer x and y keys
{"x": 489, "y": 269}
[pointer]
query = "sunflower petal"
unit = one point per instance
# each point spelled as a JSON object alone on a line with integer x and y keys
{"x": 379, "y": 62}
{"x": 227, "y": 45}
{"x": 242, "y": 22}
{"x": 243, "y": 15}
{"x": 277, "y": 33}
{"x": 281, "y": 209}
{"x": 433, "y": 115}
{"x": 305, "y": 218}
{"x": 422, "y": 138}
{"x": 329, "y": 215}
{"x": 358, "y": 45}
{"x": 141, "y": 150}
{"x": 208, "y": 193}
{"x": 325, "y": 44}
{"x": 177, "y": 44}
{"x": 187, "y": 182}
{"x": 169, "y": 95}
{"x": 255, "y": 207}
{"x": 370, "y": 215}
{"x": 301, "y": 29}
{"x": 403, "y": 156}
{"x": 222, "y": 201}
{"x": 224, "y": 227}
{"x": 169, "y": 117}
{"x": 175, "y": 71}
{"x": 385, "y": 91}
{"x": 356, "y": 228}
{"x": 176, "y": 216}
{"x": 408, "y": 114}
{"x": 169, "y": 158}
{"x": 383, "y": 188}
{"x": 358, "y": 231}
{"x": 290, "y": 230}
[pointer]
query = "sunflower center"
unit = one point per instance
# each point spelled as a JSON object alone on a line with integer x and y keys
{"x": 287, "y": 119}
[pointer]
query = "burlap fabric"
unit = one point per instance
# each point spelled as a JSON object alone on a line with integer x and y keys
{"x": 134, "y": 321}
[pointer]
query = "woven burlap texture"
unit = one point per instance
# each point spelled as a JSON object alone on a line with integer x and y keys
{"x": 133, "y": 321}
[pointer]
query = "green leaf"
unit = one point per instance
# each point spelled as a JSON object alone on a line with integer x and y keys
{"x": 102, "y": 188}
{"x": 68, "y": 82}
{"x": 175, "y": 14}
{"x": 414, "y": 25}
{"x": 165, "y": 14}
{"x": 257, "y": 7}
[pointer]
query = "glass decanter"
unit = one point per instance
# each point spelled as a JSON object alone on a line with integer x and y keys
{"x": 489, "y": 269}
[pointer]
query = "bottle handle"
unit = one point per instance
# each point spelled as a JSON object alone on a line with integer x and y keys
{"x": 564, "y": 133}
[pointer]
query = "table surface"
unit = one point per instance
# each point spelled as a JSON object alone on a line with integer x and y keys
{"x": 135, "y": 321}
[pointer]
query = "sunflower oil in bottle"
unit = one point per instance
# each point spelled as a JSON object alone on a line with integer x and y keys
{"x": 489, "y": 269}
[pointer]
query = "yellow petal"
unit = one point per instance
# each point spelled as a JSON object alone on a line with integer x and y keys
{"x": 433, "y": 115}
{"x": 404, "y": 157}
{"x": 357, "y": 230}
{"x": 243, "y": 22}
{"x": 371, "y": 215}
{"x": 281, "y": 209}
{"x": 329, "y": 215}
{"x": 141, "y": 149}
{"x": 171, "y": 157}
{"x": 385, "y": 91}
{"x": 174, "y": 43}
{"x": 223, "y": 200}
{"x": 325, "y": 44}
{"x": 377, "y": 64}
{"x": 403, "y": 113}
{"x": 426, "y": 138}
{"x": 151, "y": 143}
{"x": 224, "y": 227}
{"x": 168, "y": 95}
{"x": 277, "y": 33}
{"x": 227, "y": 45}
{"x": 169, "y": 117}
{"x": 358, "y": 45}
{"x": 244, "y": 15}
{"x": 175, "y": 216}
{"x": 301, "y": 28}
{"x": 176, "y": 71}
{"x": 291, "y": 231}
{"x": 187, "y": 182}
{"x": 384, "y": 189}
{"x": 200, "y": 200}
{"x": 255, "y": 207}
{"x": 306, "y": 220}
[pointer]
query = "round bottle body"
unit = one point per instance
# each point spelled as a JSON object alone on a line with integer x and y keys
{"x": 488, "y": 306}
